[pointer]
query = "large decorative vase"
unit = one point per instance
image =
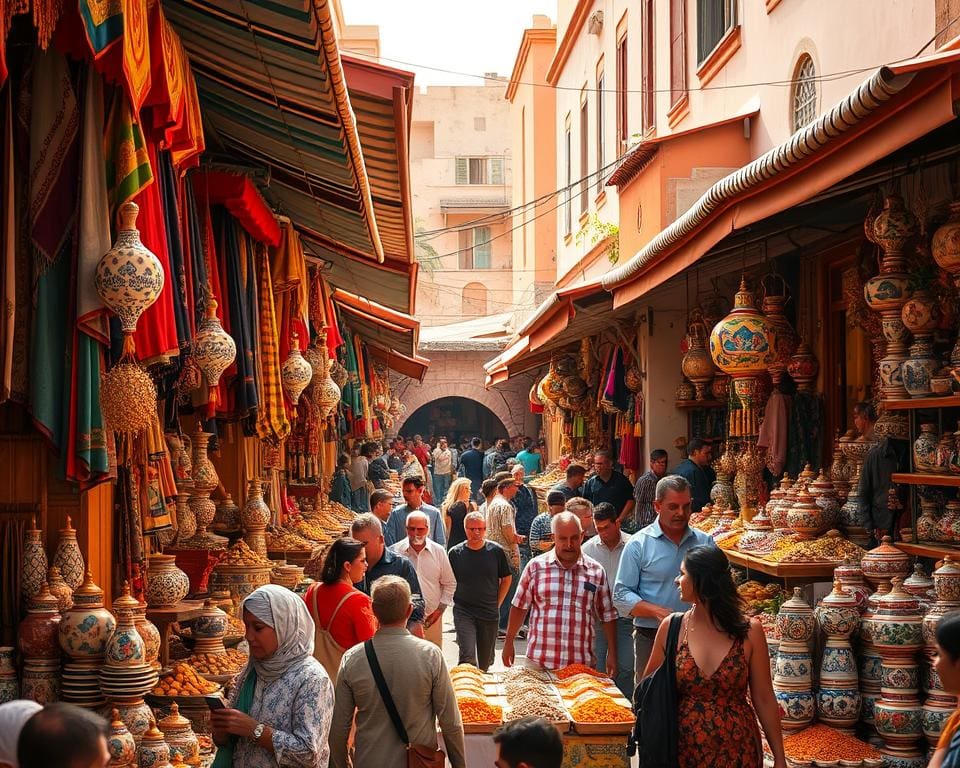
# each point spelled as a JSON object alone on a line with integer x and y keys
{"x": 786, "y": 338}
{"x": 167, "y": 585}
{"x": 946, "y": 580}
{"x": 743, "y": 346}
{"x": 145, "y": 628}
{"x": 921, "y": 316}
{"x": 68, "y": 557}
{"x": 186, "y": 518}
{"x": 214, "y": 350}
{"x": 884, "y": 563}
{"x": 129, "y": 277}
{"x": 838, "y": 697}
{"x": 795, "y": 624}
{"x": 697, "y": 364}
{"x": 255, "y": 517}
{"x": 205, "y": 481}
{"x": 39, "y": 632}
{"x": 747, "y": 482}
{"x": 9, "y": 684}
{"x": 295, "y": 373}
{"x": 928, "y": 524}
{"x": 326, "y": 390}
{"x": 85, "y": 628}
{"x": 33, "y": 573}
{"x": 125, "y": 648}
{"x": 888, "y": 291}
{"x": 120, "y": 742}
{"x": 945, "y": 245}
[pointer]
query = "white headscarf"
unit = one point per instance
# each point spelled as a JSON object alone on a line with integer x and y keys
{"x": 13, "y": 716}
{"x": 287, "y": 613}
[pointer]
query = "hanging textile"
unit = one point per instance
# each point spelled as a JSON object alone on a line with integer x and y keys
{"x": 158, "y": 489}
{"x": 167, "y": 179}
{"x": 334, "y": 337}
{"x": 22, "y": 257}
{"x": 9, "y": 273}
{"x": 193, "y": 246}
{"x": 288, "y": 275}
{"x": 272, "y": 424}
{"x": 128, "y": 160}
{"x": 167, "y": 75}
{"x": 54, "y": 168}
{"x": 774, "y": 431}
{"x": 235, "y": 249}
{"x": 350, "y": 395}
{"x": 128, "y": 530}
{"x": 107, "y": 22}
{"x": 186, "y": 141}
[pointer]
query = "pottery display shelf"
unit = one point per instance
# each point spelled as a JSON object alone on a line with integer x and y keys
{"x": 689, "y": 404}
{"x": 946, "y": 401}
{"x": 164, "y": 618}
{"x": 932, "y": 551}
{"x": 923, "y": 478}
{"x": 793, "y": 574}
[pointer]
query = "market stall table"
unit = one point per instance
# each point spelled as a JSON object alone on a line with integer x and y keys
{"x": 165, "y": 618}
{"x": 793, "y": 574}
{"x": 594, "y": 751}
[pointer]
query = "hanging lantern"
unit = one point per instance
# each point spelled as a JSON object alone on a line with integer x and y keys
{"x": 128, "y": 397}
{"x": 213, "y": 348}
{"x": 129, "y": 277}
{"x": 326, "y": 391}
{"x": 743, "y": 346}
{"x": 295, "y": 373}
{"x": 696, "y": 364}
{"x": 786, "y": 338}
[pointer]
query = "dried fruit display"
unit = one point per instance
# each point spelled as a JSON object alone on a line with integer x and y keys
{"x": 601, "y": 709}
{"x": 830, "y": 548}
{"x": 476, "y": 710}
{"x": 576, "y": 669}
{"x": 184, "y": 680}
{"x": 240, "y": 554}
{"x": 281, "y": 540}
{"x": 535, "y": 703}
{"x": 823, "y": 743}
{"x": 761, "y": 598}
{"x": 219, "y": 664}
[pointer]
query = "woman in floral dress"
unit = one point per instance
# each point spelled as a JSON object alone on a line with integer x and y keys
{"x": 721, "y": 655}
{"x": 282, "y": 702}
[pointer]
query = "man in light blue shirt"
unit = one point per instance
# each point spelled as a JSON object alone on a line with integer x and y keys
{"x": 646, "y": 579}
{"x": 395, "y": 529}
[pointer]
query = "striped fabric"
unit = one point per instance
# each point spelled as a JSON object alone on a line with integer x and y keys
{"x": 272, "y": 424}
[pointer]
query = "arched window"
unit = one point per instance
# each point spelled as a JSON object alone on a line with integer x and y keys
{"x": 804, "y": 93}
{"x": 474, "y": 300}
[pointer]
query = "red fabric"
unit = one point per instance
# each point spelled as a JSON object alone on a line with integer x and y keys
{"x": 238, "y": 194}
{"x": 422, "y": 453}
{"x": 156, "y": 334}
{"x": 334, "y": 337}
{"x": 354, "y": 622}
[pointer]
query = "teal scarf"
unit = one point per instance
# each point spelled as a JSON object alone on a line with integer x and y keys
{"x": 243, "y": 703}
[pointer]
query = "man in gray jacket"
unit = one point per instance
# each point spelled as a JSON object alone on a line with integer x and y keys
{"x": 419, "y": 683}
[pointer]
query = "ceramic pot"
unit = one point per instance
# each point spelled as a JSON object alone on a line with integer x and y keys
{"x": 179, "y": 447}
{"x": 935, "y": 612}
{"x": 186, "y": 518}
{"x": 925, "y": 448}
{"x": 898, "y": 722}
{"x": 743, "y": 343}
{"x": 85, "y": 628}
{"x": 38, "y": 633}
{"x": 793, "y": 665}
{"x": 255, "y": 516}
{"x": 9, "y": 684}
{"x": 920, "y": 367}
{"x": 804, "y": 367}
{"x": 120, "y": 742}
{"x": 33, "y": 572}
{"x": 68, "y": 557}
{"x": 825, "y": 497}
{"x": 946, "y": 580}
{"x": 167, "y": 585}
{"x": 204, "y": 473}
{"x": 180, "y": 737}
{"x": 697, "y": 364}
{"x": 211, "y": 623}
{"x": 136, "y": 715}
{"x": 851, "y": 580}
{"x": 918, "y": 583}
{"x": 40, "y": 681}
{"x": 796, "y": 709}
{"x": 838, "y": 613}
{"x": 870, "y": 669}
{"x": 145, "y": 628}
{"x": 128, "y": 277}
{"x": 897, "y": 626}
{"x": 214, "y": 350}
{"x": 945, "y": 455}
{"x": 885, "y": 562}
{"x": 945, "y": 245}
{"x": 295, "y": 373}
{"x": 125, "y": 647}
{"x": 928, "y": 527}
{"x": 227, "y": 518}
{"x": 239, "y": 580}
{"x": 805, "y": 517}
{"x": 153, "y": 751}
{"x": 795, "y": 621}
{"x": 838, "y": 706}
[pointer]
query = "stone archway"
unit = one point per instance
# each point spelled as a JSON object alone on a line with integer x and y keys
{"x": 416, "y": 397}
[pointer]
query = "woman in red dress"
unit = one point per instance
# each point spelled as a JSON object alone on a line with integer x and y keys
{"x": 721, "y": 656}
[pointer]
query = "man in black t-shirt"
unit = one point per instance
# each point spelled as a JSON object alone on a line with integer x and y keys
{"x": 471, "y": 465}
{"x": 609, "y": 485}
{"x": 483, "y": 579}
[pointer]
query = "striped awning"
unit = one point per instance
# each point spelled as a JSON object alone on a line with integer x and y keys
{"x": 273, "y": 93}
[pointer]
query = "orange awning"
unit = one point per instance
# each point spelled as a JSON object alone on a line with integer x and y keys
{"x": 414, "y": 367}
{"x": 390, "y": 335}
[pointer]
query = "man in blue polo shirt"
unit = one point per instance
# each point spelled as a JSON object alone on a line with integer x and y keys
{"x": 646, "y": 586}
{"x": 395, "y": 529}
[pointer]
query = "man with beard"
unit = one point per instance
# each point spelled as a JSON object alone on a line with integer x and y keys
{"x": 565, "y": 591}
{"x": 646, "y": 578}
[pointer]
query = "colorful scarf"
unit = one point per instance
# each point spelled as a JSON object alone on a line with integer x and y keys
{"x": 128, "y": 159}
{"x": 272, "y": 424}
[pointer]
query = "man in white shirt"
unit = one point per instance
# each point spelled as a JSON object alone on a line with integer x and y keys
{"x": 437, "y": 583}
{"x": 443, "y": 465}
{"x": 606, "y": 548}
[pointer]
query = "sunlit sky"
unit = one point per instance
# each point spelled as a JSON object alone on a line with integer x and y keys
{"x": 470, "y": 37}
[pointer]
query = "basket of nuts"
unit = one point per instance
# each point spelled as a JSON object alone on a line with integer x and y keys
{"x": 241, "y": 571}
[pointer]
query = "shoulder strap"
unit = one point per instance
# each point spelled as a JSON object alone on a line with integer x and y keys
{"x": 385, "y": 692}
{"x": 673, "y": 634}
{"x": 333, "y": 615}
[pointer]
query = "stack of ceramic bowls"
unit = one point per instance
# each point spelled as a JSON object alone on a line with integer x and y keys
{"x": 126, "y": 675}
{"x": 84, "y": 631}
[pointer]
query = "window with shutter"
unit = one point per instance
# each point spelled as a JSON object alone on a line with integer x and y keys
{"x": 496, "y": 170}
{"x": 714, "y": 19}
{"x": 466, "y": 248}
{"x": 568, "y": 181}
{"x": 584, "y": 150}
{"x": 622, "y": 134}
{"x": 601, "y": 154}
{"x": 463, "y": 176}
{"x": 678, "y": 50}
{"x": 481, "y": 248}
{"x": 478, "y": 170}
{"x": 646, "y": 66}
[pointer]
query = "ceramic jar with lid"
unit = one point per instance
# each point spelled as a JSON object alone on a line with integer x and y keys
{"x": 227, "y": 518}
{"x": 179, "y": 735}
{"x": 919, "y": 584}
{"x": 68, "y": 557}
{"x": 40, "y": 681}
{"x": 145, "y": 628}
{"x": 896, "y": 627}
{"x": 946, "y": 580}
{"x": 884, "y": 563}
{"x": 33, "y": 572}
{"x": 945, "y": 454}
{"x": 928, "y": 524}
{"x": 39, "y": 632}
{"x": 805, "y": 517}
{"x": 120, "y": 742}
{"x": 209, "y": 629}
{"x": 778, "y": 517}
{"x": 60, "y": 589}
{"x": 167, "y": 585}
{"x": 925, "y": 448}
{"x": 85, "y": 628}
{"x": 153, "y": 750}
{"x": 838, "y": 695}
{"x": 125, "y": 647}
{"x": 851, "y": 579}
{"x": 825, "y": 497}
{"x": 255, "y": 517}
{"x": 795, "y": 620}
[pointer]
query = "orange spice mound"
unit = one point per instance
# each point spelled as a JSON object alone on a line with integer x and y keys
{"x": 600, "y": 709}
{"x": 576, "y": 669}
{"x": 821, "y": 742}
{"x": 474, "y": 710}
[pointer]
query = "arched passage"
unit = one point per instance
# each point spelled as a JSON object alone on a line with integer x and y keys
{"x": 455, "y": 417}
{"x": 415, "y": 397}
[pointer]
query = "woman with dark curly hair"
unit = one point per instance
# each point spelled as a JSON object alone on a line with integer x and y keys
{"x": 721, "y": 654}
{"x": 947, "y": 665}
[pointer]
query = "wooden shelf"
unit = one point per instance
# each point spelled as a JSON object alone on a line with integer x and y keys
{"x": 935, "y": 551}
{"x": 913, "y": 404}
{"x": 919, "y": 478}
{"x": 793, "y": 574}
{"x": 690, "y": 404}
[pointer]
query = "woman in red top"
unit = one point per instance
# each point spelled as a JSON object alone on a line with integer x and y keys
{"x": 340, "y": 611}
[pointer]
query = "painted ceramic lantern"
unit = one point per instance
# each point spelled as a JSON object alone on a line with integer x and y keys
{"x": 743, "y": 343}
{"x": 295, "y": 373}
{"x": 129, "y": 277}
{"x": 167, "y": 585}
{"x": 804, "y": 367}
{"x": 85, "y": 628}
{"x": 213, "y": 348}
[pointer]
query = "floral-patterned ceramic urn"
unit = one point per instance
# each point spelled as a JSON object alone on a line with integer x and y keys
{"x": 167, "y": 585}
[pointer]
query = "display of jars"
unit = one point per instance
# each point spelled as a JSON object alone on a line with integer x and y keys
{"x": 838, "y": 696}
{"x": 167, "y": 585}
{"x": 33, "y": 571}
{"x": 38, "y": 633}
{"x": 795, "y": 624}
{"x": 85, "y": 628}
{"x": 885, "y": 562}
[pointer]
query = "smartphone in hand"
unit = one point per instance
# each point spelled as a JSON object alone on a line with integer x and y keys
{"x": 215, "y": 702}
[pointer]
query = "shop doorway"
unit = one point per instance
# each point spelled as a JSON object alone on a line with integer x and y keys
{"x": 455, "y": 417}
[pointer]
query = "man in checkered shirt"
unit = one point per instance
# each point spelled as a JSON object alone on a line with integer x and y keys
{"x": 564, "y": 590}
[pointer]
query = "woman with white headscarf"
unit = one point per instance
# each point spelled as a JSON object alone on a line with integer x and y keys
{"x": 279, "y": 712}
{"x": 13, "y": 716}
